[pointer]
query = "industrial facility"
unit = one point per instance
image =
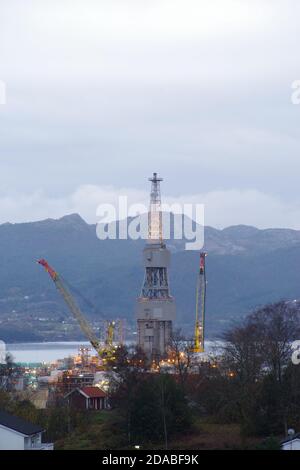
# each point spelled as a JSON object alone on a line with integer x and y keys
{"x": 156, "y": 309}
{"x": 84, "y": 381}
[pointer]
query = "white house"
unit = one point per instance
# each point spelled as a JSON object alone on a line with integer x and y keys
{"x": 18, "y": 434}
{"x": 292, "y": 443}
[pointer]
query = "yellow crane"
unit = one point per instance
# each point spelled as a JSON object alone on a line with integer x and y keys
{"x": 110, "y": 333}
{"x": 78, "y": 315}
{"x": 200, "y": 307}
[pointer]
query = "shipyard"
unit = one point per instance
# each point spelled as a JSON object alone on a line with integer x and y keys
{"x": 123, "y": 364}
{"x": 149, "y": 230}
{"x": 156, "y": 347}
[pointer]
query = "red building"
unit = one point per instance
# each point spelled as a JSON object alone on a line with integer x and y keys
{"x": 87, "y": 398}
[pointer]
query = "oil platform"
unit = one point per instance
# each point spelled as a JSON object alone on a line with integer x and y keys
{"x": 156, "y": 309}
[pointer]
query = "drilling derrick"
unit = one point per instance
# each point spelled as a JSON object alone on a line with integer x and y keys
{"x": 200, "y": 307}
{"x": 155, "y": 306}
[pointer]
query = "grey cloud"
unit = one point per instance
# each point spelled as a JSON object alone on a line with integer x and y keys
{"x": 150, "y": 88}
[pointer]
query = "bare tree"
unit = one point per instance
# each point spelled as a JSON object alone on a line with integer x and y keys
{"x": 242, "y": 353}
{"x": 278, "y": 325}
{"x": 258, "y": 352}
{"x": 7, "y": 372}
{"x": 262, "y": 343}
{"x": 182, "y": 356}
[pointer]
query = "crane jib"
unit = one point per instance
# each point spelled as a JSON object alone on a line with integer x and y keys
{"x": 75, "y": 310}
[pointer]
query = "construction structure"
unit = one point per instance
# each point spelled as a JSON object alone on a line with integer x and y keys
{"x": 104, "y": 352}
{"x": 156, "y": 309}
{"x": 200, "y": 307}
{"x": 114, "y": 332}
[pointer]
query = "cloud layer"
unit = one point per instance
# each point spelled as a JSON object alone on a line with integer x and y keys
{"x": 101, "y": 94}
{"x": 222, "y": 208}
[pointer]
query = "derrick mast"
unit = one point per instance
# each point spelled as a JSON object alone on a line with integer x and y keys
{"x": 155, "y": 305}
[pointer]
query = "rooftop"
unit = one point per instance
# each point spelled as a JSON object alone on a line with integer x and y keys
{"x": 291, "y": 438}
{"x": 93, "y": 392}
{"x": 19, "y": 424}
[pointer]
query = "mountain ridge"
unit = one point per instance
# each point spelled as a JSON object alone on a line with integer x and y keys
{"x": 246, "y": 267}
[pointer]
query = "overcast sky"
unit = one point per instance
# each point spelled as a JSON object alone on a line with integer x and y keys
{"x": 101, "y": 93}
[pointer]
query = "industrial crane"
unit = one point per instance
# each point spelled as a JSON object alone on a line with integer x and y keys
{"x": 110, "y": 333}
{"x": 200, "y": 307}
{"x": 78, "y": 315}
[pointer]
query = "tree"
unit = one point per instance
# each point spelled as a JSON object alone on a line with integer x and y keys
{"x": 256, "y": 358}
{"x": 242, "y": 355}
{"x": 152, "y": 405}
{"x": 7, "y": 372}
{"x": 129, "y": 367}
{"x": 277, "y": 325}
{"x": 181, "y": 352}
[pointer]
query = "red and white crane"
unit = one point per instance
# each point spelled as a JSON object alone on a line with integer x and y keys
{"x": 75, "y": 310}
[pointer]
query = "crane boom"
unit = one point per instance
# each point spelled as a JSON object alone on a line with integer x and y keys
{"x": 75, "y": 310}
{"x": 200, "y": 306}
